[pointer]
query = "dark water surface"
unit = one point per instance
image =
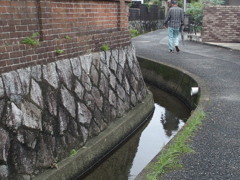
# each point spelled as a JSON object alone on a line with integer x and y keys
{"x": 130, "y": 159}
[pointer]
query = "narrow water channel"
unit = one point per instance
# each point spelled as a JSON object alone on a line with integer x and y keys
{"x": 129, "y": 160}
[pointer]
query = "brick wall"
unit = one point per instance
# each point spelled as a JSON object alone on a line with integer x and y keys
{"x": 76, "y": 27}
{"x": 221, "y": 24}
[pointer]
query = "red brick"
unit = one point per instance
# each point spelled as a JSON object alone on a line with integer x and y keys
{"x": 88, "y": 23}
{"x": 3, "y": 63}
{"x": 4, "y": 56}
{"x": 224, "y": 24}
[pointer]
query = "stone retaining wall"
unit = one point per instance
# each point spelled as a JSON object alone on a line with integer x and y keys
{"x": 146, "y": 26}
{"x": 47, "y": 111}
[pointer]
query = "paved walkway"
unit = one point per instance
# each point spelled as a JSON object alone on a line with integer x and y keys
{"x": 217, "y": 143}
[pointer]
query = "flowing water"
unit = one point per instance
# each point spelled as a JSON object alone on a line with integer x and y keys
{"x": 129, "y": 160}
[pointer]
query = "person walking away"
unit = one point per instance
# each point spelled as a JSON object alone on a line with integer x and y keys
{"x": 173, "y": 22}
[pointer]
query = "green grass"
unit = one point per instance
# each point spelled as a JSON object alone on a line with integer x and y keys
{"x": 73, "y": 152}
{"x": 169, "y": 158}
{"x": 134, "y": 33}
{"x": 59, "y": 51}
{"x": 67, "y": 37}
{"x": 32, "y": 40}
{"x": 105, "y": 47}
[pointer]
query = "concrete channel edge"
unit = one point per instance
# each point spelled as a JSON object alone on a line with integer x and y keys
{"x": 98, "y": 148}
{"x": 158, "y": 77}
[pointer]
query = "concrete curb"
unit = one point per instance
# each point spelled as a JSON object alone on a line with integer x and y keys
{"x": 230, "y": 46}
{"x": 175, "y": 81}
{"x": 172, "y": 86}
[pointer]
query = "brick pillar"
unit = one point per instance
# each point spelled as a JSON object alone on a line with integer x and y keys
{"x": 123, "y": 14}
{"x": 39, "y": 12}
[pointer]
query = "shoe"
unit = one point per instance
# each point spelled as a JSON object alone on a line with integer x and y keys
{"x": 170, "y": 50}
{"x": 177, "y": 49}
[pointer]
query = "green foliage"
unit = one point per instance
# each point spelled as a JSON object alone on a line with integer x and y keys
{"x": 170, "y": 157}
{"x": 196, "y": 10}
{"x": 134, "y": 33}
{"x": 59, "y": 51}
{"x": 105, "y": 47}
{"x": 157, "y": 2}
{"x": 67, "y": 37}
{"x": 32, "y": 40}
{"x": 73, "y": 152}
{"x": 180, "y": 4}
{"x": 148, "y": 6}
{"x": 213, "y": 2}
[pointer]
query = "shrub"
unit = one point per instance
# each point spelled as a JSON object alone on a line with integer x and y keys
{"x": 73, "y": 152}
{"x": 32, "y": 40}
{"x": 134, "y": 33}
{"x": 196, "y": 10}
{"x": 59, "y": 51}
{"x": 105, "y": 47}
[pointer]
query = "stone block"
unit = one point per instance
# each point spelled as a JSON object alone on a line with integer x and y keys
{"x": 126, "y": 85}
{"x": 65, "y": 72}
{"x": 3, "y": 172}
{"x": 94, "y": 75}
{"x": 1, "y": 88}
{"x": 113, "y": 81}
{"x": 121, "y": 92}
{"x": 32, "y": 116}
{"x": 112, "y": 98}
{"x": 84, "y": 133}
{"x": 84, "y": 115}
{"x": 86, "y": 81}
{"x": 122, "y": 57}
{"x": 15, "y": 117}
{"x": 86, "y": 62}
{"x": 79, "y": 89}
{"x": 104, "y": 85}
{"x": 26, "y": 160}
{"x": 24, "y": 75}
{"x": 50, "y": 75}
{"x": 36, "y": 94}
{"x": 76, "y": 67}
{"x": 68, "y": 101}
{"x": 2, "y": 107}
{"x": 98, "y": 98}
{"x": 89, "y": 101}
{"x": 4, "y": 145}
{"x": 120, "y": 74}
{"x": 13, "y": 86}
{"x": 113, "y": 64}
{"x": 51, "y": 101}
{"x": 36, "y": 72}
{"x": 28, "y": 137}
{"x": 63, "y": 119}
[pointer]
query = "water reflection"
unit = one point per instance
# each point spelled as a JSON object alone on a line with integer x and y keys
{"x": 129, "y": 160}
{"x": 153, "y": 138}
{"x": 170, "y": 123}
